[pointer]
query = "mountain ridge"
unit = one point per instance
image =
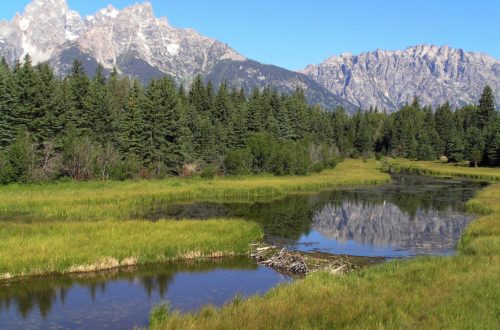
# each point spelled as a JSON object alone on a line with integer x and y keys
{"x": 389, "y": 79}
{"x": 142, "y": 46}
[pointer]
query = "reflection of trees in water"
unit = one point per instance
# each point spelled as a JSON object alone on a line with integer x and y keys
{"x": 292, "y": 216}
{"x": 289, "y": 217}
{"x": 386, "y": 224}
{"x": 411, "y": 194}
{"x": 42, "y": 293}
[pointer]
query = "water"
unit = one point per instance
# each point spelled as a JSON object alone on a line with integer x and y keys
{"x": 414, "y": 215}
{"x": 123, "y": 298}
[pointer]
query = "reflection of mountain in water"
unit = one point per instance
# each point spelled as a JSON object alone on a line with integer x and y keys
{"x": 386, "y": 224}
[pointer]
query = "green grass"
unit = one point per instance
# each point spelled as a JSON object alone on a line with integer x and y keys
{"x": 122, "y": 200}
{"x": 61, "y": 247}
{"x": 459, "y": 292}
{"x": 440, "y": 168}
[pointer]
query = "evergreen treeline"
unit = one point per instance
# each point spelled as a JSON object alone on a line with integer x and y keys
{"x": 115, "y": 128}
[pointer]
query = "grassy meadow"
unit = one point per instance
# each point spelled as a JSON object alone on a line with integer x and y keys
{"x": 67, "y": 247}
{"x": 440, "y": 168}
{"x": 101, "y": 200}
{"x": 76, "y": 227}
{"x": 459, "y": 292}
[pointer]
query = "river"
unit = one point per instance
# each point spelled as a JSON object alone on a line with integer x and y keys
{"x": 413, "y": 215}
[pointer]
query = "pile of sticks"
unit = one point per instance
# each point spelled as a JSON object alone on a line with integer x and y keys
{"x": 300, "y": 263}
{"x": 283, "y": 260}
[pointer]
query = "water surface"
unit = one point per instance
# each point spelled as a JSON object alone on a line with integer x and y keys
{"x": 123, "y": 298}
{"x": 414, "y": 215}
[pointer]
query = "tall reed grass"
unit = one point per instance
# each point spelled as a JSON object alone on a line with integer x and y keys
{"x": 69, "y": 247}
{"x": 124, "y": 200}
{"x": 439, "y": 168}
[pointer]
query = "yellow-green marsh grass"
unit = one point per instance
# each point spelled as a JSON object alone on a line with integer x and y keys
{"x": 458, "y": 292}
{"x": 62, "y": 247}
{"x": 122, "y": 200}
{"x": 440, "y": 168}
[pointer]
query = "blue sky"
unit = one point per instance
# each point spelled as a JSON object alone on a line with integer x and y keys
{"x": 293, "y": 33}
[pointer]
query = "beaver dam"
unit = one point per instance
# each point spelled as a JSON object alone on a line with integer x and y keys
{"x": 302, "y": 263}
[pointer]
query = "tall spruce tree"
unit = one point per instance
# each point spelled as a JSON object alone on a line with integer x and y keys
{"x": 8, "y": 105}
{"x": 162, "y": 119}
{"x": 79, "y": 85}
{"x": 98, "y": 116}
{"x": 486, "y": 111}
{"x": 131, "y": 126}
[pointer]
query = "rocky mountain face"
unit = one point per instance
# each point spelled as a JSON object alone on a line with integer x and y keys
{"x": 248, "y": 74}
{"x": 389, "y": 79}
{"x": 142, "y": 46}
{"x": 42, "y": 28}
{"x": 49, "y": 31}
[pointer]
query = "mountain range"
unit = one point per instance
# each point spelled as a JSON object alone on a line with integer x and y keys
{"x": 137, "y": 43}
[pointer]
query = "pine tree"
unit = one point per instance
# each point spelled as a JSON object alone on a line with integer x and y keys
{"x": 97, "y": 117}
{"x": 255, "y": 118}
{"x": 28, "y": 93}
{"x": 455, "y": 148}
{"x": 119, "y": 88}
{"x": 341, "y": 131}
{"x": 474, "y": 145}
{"x": 238, "y": 134}
{"x": 3, "y": 63}
{"x": 221, "y": 114}
{"x": 299, "y": 113}
{"x": 362, "y": 139}
{"x": 200, "y": 96}
{"x": 492, "y": 144}
{"x": 79, "y": 86}
{"x": 486, "y": 111}
{"x": 58, "y": 114}
{"x": 207, "y": 141}
{"x": 131, "y": 125}
{"x": 47, "y": 121}
{"x": 445, "y": 124}
{"x": 8, "y": 104}
{"x": 162, "y": 115}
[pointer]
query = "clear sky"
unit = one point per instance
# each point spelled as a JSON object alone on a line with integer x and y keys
{"x": 294, "y": 33}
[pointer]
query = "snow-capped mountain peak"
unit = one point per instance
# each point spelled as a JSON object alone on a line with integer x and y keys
{"x": 40, "y": 29}
{"x": 130, "y": 39}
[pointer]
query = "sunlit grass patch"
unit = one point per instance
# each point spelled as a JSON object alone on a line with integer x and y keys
{"x": 47, "y": 247}
{"x": 123, "y": 200}
{"x": 440, "y": 168}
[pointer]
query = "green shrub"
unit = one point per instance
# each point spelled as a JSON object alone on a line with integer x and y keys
{"x": 208, "y": 172}
{"x": 318, "y": 167}
{"x": 15, "y": 166}
{"x": 238, "y": 162}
